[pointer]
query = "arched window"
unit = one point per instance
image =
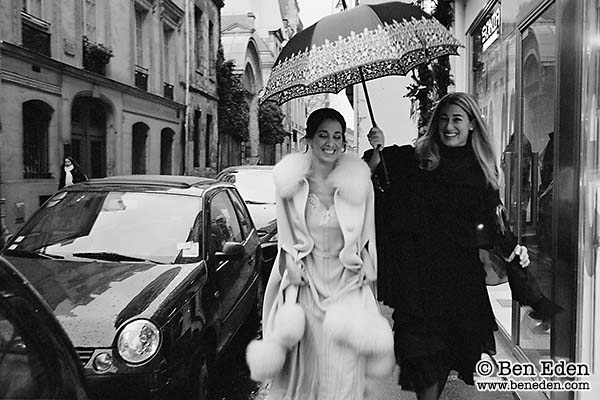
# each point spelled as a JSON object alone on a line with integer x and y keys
{"x": 166, "y": 150}
{"x": 138, "y": 148}
{"x": 36, "y": 119}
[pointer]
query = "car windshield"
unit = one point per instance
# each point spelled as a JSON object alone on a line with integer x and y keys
{"x": 113, "y": 226}
{"x": 255, "y": 186}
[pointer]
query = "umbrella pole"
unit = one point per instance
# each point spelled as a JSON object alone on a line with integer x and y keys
{"x": 378, "y": 148}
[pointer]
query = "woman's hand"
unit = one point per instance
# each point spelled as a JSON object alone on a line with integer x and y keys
{"x": 376, "y": 137}
{"x": 296, "y": 273}
{"x": 520, "y": 251}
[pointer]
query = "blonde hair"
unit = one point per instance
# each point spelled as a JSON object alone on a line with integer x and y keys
{"x": 427, "y": 146}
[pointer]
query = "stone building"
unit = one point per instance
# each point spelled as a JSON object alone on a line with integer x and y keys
{"x": 253, "y": 33}
{"x": 106, "y": 81}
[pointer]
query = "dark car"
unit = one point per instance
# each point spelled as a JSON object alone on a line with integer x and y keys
{"x": 150, "y": 276}
{"x": 255, "y": 184}
{"x": 37, "y": 359}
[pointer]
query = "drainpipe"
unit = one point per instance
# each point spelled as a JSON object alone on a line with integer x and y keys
{"x": 187, "y": 18}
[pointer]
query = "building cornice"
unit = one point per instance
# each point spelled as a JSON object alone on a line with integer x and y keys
{"x": 9, "y": 49}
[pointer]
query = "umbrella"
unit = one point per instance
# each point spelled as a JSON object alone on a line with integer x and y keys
{"x": 356, "y": 45}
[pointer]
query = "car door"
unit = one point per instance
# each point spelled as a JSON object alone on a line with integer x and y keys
{"x": 37, "y": 360}
{"x": 234, "y": 275}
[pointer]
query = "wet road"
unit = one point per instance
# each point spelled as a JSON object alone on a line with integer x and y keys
{"x": 230, "y": 376}
{"x": 233, "y": 378}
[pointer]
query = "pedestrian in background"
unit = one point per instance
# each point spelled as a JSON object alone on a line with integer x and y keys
{"x": 432, "y": 212}
{"x": 338, "y": 342}
{"x": 70, "y": 173}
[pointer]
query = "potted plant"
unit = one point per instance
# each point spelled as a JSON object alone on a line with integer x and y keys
{"x": 95, "y": 56}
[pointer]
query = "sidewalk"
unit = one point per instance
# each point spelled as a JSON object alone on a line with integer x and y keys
{"x": 455, "y": 389}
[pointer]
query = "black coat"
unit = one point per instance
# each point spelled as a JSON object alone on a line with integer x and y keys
{"x": 430, "y": 225}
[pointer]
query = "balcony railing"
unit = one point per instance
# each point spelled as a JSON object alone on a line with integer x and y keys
{"x": 168, "y": 90}
{"x": 141, "y": 77}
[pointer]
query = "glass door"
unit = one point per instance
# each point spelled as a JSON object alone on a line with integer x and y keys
{"x": 529, "y": 168}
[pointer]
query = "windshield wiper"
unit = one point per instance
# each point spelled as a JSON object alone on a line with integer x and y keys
{"x": 33, "y": 254}
{"x": 109, "y": 256}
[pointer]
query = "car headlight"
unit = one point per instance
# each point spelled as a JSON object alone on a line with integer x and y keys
{"x": 138, "y": 341}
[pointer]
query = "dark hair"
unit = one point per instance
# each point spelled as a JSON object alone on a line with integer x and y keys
{"x": 316, "y": 118}
{"x": 73, "y": 162}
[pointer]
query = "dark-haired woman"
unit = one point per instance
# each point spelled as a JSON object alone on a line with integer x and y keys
{"x": 326, "y": 266}
{"x": 70, "y": 173}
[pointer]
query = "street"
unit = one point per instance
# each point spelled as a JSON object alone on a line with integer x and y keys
{"x": 233, "y": 381}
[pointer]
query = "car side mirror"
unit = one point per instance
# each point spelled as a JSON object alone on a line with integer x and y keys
{"x": 231, "y": 251}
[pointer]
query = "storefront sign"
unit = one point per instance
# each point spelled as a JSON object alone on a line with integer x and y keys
{"x": 490, "y": 31}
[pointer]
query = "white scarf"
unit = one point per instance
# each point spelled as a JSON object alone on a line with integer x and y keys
{"x": 68, "y": 175}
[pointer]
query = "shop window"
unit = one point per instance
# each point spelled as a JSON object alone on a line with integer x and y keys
{"x": 138, "y": 148}
{"x": 36, "y": 119}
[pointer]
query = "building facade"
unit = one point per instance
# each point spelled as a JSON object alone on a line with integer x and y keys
{"x": 107, "y": 82}
{"x": 253, "y": 33}
{"x": 534, "y": 66}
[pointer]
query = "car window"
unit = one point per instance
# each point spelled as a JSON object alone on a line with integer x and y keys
{"x": 255, "y": 186}
{"x": 23, "y": 375}
{"x": 242, "y": 214}
{"x": 223, "y": 222}
{"x": 145, "y": 225}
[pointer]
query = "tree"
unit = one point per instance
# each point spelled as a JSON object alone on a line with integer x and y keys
{"x": 432, "y": 79}
{"x": 270, "y": 123}
{"x": 232, "y": 107}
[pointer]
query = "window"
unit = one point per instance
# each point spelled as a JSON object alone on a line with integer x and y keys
{"x": 139, "y": 36}
{"x": 36, "y": 119}
{"x": 242, "y": 214}
{"x": 35, "y": 32}
{"x": 207, "y": 139}
{"x": 167, "y": 34}
{"x": 198, "y": 42}
{"x": 138, "y": 148}
{"x": 166, "y": 148}
{"x": 212, "y": 66}
{"x": 196, "y": 138}
{"x": 23, "y": 374}
{"x": 89, "y": 19}
{"x": 224, "y": 225}
{"x": 33, "y": 7}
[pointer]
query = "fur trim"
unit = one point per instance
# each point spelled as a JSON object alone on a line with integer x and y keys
{"x": 380, "y": 366}
{"x": 351, "y": 176}
{"x": 265, "y": 359}
{"x": 289, "y": 324}
{"x": 364, "y": 331}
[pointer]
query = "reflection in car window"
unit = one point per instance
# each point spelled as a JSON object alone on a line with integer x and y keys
{"x": 22, "y": 373}
{"x": 241, "y": 214}
{"x": 256, "y": 186}
{"x": 224, "y": 223}
{"x": 144, "y": 225}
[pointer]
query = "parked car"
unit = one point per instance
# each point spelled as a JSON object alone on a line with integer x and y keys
{"x": 255, "y": 184}
{"x": 37, "y": 359}
{"x": 150, "y": 276}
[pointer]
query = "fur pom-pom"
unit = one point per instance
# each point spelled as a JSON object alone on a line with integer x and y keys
{"x": 380, "y": 366}
{"x": 289, "y": 324}
{"x": 265, "y": 359}
{"x": 366, "y": 332}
